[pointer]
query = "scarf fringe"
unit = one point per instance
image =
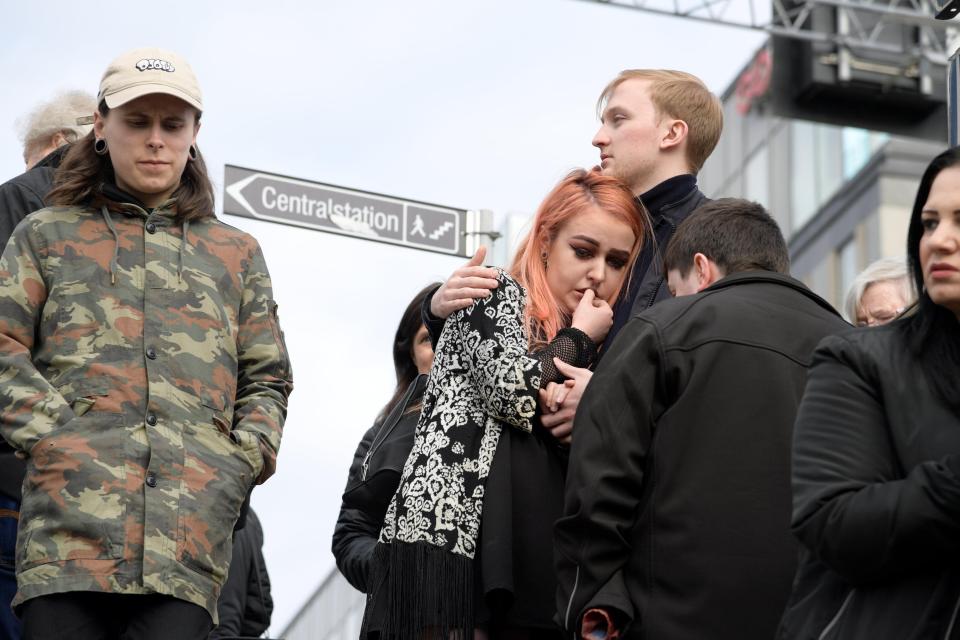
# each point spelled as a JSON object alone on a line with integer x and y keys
{"x": 423, "y": 592}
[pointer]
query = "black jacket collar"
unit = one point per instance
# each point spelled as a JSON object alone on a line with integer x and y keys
{"x": 748, "y": 277}
{"x": 54, "y": 158}
{"x": 668, "y": 194}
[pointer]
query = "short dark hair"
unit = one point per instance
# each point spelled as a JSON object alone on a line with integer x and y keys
{"x": 737, "y": 235}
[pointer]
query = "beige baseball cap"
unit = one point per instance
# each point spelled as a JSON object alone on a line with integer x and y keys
{"x": 144, "y": 71}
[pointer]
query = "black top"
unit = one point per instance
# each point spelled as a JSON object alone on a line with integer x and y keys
{"x": 371, "y": 482}
{"x": 245, "y": 603}
{"x": 876, "y": 476}
{"x": 24, "y": 194}
{"x": 678, "y": 497}
{"x": 668, "y": 204}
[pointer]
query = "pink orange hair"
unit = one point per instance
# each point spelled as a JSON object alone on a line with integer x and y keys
{"x": 574, "y": 194}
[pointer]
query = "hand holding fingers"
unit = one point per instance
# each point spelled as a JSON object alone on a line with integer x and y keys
{"x": 550, "y": 396}
{"x": 579, "y": 375}
{"x": 543, "y": 399}
{"x": 562, "y": 431}
{"x": 562, "y": 391}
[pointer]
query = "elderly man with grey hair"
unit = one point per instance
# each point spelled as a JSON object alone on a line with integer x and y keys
{"x": 51, "y": 125}
{"x": 46, "y": 133}
{"x": 879, "y": 294}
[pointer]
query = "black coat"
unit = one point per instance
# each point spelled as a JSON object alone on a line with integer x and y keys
{"x": 876, "y": 496}
{"x": 373, "y": 479}
{"x": 677, "y": 511}
{"x": 19, "y": 197}
{"x": 668, "y": 204}
{"x": 245, "y": 603}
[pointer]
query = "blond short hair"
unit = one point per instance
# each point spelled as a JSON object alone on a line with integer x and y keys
{"x": 683, "y": 96}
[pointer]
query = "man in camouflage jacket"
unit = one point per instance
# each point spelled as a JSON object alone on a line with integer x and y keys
{"x": 144, "y": 377}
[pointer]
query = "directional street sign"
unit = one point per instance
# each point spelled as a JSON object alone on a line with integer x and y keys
{"x": 361, "y": 214}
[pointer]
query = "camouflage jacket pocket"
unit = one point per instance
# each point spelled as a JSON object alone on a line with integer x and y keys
{"x": 215, "y": 482}
{"x": 74, "y": 504}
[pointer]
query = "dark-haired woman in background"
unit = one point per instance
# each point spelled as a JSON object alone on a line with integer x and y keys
{"x": 378, "y": 461}
{"x": 876, "y": 462}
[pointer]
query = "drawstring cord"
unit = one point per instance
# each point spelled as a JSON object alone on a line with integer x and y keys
{"x": 183, "y": 243}
{"x": 114, "y": 262}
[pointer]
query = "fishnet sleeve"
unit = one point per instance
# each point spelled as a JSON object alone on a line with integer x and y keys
{"x": 573, "y": 347}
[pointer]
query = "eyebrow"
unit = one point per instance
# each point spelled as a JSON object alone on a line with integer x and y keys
{"x": 612, "y": 110}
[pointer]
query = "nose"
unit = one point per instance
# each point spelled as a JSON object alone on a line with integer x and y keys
{"x": 601, "y": 139}
{"x": 155, "y": 139}
{"x": 597, "y": 273}
{"x": 945, "y": 238}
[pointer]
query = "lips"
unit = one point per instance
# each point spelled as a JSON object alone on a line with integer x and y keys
{"x": 942, "y": 270}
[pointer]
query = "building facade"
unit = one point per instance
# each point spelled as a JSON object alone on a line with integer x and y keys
{"x": 842, "y": 195}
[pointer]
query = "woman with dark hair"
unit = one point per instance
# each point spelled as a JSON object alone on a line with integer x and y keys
{"x": 378, "y": 461}
{"x": 145, "y": 373}
{"x": 467, "y": 543}
{"x": 876, "y": 461}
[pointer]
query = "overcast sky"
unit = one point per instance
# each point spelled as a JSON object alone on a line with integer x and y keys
{"x": 470, "y": 104}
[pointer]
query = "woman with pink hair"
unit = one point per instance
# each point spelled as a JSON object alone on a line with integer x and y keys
{"x": 467, "y": 539}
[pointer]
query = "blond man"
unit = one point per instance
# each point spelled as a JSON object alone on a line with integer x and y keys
{"x": 657, "y": 128}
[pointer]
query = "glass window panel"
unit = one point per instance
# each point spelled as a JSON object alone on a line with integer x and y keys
{"x": 847, "y": 264}
{"x": 829, "y": 162}
{"x": 803, "y": 179}
{"x": 757, "y": 174}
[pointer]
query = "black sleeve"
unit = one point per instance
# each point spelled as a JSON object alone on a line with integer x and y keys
{"x": 570, "y": 345}
{"x": 17, "y": 201}
{"x": 259, "y": 603}
{"x": 433, "y": 324}
{"x": 605, "y": 477}
{"x": 853, "y": 507}
{"x": 356, "y": 531}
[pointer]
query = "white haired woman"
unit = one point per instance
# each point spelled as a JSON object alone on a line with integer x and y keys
{"x": 879, "y": 294}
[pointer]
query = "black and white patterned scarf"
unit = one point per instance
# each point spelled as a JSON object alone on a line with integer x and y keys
{"x": 483, "y": 380}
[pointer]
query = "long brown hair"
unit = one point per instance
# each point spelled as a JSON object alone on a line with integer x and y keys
{"x": 82, "y": 173}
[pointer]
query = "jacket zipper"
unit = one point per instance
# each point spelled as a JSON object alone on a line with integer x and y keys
{"x": 386, "y": 431}
{"x": 566, "y": 616}
{"x": 653, "y": 298}
{"x": 953, "y": 620}
{"x": 836, "y": 618}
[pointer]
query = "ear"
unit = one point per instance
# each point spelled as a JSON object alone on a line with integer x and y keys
{"x": 675, "y": 135}
{"x": 58, "y": 140}
{"x": 196, "y": 130}
{"x": 707, "y": 271}
{"x": 98, "y": 122}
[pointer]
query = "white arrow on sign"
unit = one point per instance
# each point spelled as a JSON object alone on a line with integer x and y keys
{"x": 235, "y": 191}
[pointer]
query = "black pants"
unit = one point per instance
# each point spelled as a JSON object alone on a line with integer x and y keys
{"x": 81, "y": 615}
